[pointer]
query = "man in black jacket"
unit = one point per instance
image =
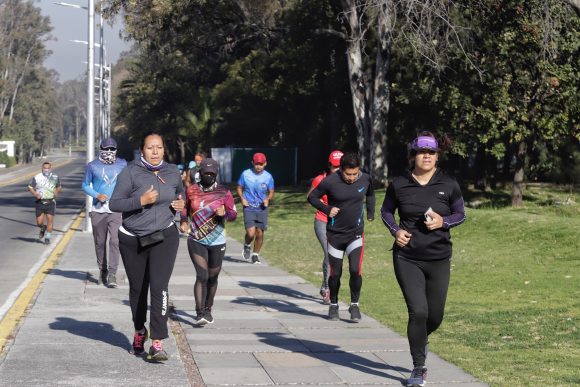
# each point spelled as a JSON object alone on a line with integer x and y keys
{"x": 348, "y": 190}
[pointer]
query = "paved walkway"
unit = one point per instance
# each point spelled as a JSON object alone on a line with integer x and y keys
{"x": 270, "y": 329}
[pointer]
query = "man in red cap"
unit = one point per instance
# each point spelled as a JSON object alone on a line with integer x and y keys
{"x": 255, "y": 189}
{"x": 320, "y": 220}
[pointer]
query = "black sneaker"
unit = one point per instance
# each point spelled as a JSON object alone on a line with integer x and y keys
{"x": 112, "y": 280}
{"x": 247, "y": 252}
{"x": 41, "y": 233}
{"x": 156, "y": 352}
{"x": 354, "y": 312}
{"x": 139, "y": 340}
{"x": 199, "y": 318}
{"x": 47, "y": 241}
{"x": 256, "y": 259}
{"x": 102, "y": 280}
{"x": 207, "y": 316}
{"x": 333, "y": 313}
{"x": 417, "y": 378}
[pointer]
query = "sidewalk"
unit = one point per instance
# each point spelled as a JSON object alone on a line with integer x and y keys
{"x": 270, "y": 329}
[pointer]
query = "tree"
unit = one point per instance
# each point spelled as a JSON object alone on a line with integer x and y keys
{"x": 426, "y": 26}
{"x": 23, "y": 31}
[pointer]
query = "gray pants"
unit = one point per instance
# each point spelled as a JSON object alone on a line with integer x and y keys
{"x": 103, "y": 224}
{"x": 320, "y": 230}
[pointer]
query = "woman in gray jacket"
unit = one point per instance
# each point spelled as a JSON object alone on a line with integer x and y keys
{"x": 148, "y": 193}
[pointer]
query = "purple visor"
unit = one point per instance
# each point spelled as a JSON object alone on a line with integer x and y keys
{"x": 424, "y": 142}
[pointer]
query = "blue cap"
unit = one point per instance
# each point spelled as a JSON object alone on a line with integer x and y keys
{"x": 108, "y": 142}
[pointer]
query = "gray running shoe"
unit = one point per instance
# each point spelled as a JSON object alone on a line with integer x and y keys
{"x": 333, "y": 313}
{"x": 417, "y": 378}
{"x": 47, "y": 241}
{"x": 247, "y": 252}
{"x": 156, "y": 352}
{"x": 354, "y": 312}
{"x": 112, "y": 281}
{"x": 256, "y": 258}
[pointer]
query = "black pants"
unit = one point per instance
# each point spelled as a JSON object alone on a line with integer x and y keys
{"x": 207, "y": 261}
{"x": 338, "y": 246}
{"x": 150, "y": 268}
{"x": 424, "y": 285}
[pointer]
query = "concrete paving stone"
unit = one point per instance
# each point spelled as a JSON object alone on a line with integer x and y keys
{"x": 79, "y": 361}
{"x": 310, "y": 375}
{"x": 352, "y": 331}
{"x": 440, "y": 371}
{"x": 92, "y": 310}
{"x": 355, "y": 345}
{"x": 230, "y": 324}
{"x": 68, "y": 330}
{"x": 294, "y": 321}
{"x": 235, "y": 377}
{"x": 252, "y": 345}
{"x": 361, "y": 367}
{"x": 292, "y": 290}
{"x": 397, "y": 359}
{"x": 226, "y": 360}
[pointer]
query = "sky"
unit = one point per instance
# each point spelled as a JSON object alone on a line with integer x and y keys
{"x": 71, "y": 23}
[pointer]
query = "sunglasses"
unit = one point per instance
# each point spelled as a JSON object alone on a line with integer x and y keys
{"x": 109, "y": 149}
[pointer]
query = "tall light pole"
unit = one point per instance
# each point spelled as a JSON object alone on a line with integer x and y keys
{"x": 90, "y": 96}
{"x": 90, "y": 107}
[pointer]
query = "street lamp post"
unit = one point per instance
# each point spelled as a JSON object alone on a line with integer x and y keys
{"x": 90, "y": 107}
{"x": 90, "y": 96}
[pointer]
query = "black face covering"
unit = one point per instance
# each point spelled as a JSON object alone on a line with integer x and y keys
{"x": 207, "y": 180}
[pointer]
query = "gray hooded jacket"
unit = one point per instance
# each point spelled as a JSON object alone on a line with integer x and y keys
{"x": 133, "y": 182}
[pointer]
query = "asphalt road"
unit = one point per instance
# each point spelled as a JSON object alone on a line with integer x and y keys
{"x": 20, "y": 249}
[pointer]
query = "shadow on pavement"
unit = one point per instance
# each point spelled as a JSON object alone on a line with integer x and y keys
{"x": 29, "y": 240}
{"x": 277, "y": 289}
{"x": 332, "y": 354}
{"x": 278, "y": 305}
{"x": 73, "y": 274}
{"x": 93, "y": 330}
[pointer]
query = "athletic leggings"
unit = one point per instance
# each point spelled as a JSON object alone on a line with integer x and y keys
{"x": 320, "y": 231}
{"x": 149, "y": 268}
{"x": 207, "y": 261}
{"x": 424, "y": 285}
{"x": 338, "y": 245}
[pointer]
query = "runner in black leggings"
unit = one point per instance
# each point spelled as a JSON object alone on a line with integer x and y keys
{"x": 148, "y": 193}
{"x": 209, "y": 205}
{"x": 429, "y": 203}
{"x": 348, "y": 190}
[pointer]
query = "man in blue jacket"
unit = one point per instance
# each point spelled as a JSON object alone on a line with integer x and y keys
{"x": 99, "y": 182}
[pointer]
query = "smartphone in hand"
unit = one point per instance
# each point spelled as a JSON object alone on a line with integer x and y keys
{"x": 427, "y": 217}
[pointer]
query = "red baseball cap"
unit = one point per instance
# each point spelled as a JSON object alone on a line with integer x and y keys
{"x": 334, "y": 158}
{"x": 259, "y": 158}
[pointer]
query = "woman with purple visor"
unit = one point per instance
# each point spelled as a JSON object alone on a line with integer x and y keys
{"x": 429, "y": 203}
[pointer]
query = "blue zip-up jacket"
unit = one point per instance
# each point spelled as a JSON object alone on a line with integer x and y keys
{"x": 101, "y": 178}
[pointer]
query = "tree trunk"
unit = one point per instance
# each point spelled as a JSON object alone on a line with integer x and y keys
{"x": 357, "y": 81}
{"x": 518, "y": 184}
{"x": 381, "y": 102}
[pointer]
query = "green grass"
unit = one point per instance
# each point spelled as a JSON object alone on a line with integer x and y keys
{"x": 512, "y": 311}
